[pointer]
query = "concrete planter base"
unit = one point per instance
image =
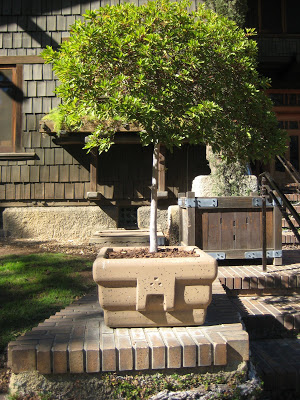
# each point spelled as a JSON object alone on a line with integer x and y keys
{"x": 145, "y": 292}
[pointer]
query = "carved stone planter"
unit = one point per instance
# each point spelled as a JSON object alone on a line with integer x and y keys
{"x": 143, "y": 292}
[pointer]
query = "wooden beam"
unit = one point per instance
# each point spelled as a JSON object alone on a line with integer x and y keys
{"x": 162, "y": 169}
{"x": 9, "y": 60}
{"x": 93, "y": 170}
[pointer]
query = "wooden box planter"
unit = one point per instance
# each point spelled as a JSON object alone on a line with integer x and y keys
{"x": 230, "y": 227}
{"x": 144, "y": 292}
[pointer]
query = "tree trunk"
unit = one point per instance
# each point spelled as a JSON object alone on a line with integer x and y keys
{"x": 153, "y": 210}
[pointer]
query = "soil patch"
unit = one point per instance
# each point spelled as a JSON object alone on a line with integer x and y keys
{"x": 145, "y": 253}
{"x": 28, "y": 246}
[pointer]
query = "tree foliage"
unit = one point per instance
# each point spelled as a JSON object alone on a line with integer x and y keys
{"x": 179, "y": 75}
{"x": 235, "y": 10}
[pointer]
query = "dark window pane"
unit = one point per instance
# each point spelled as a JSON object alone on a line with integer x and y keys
{"x": 271, "y": 16}
{"x": 6, "y": 105}
{"x": 252, "y": 14}
{"x": 293, "y": 125}
{"x": 293, "y": 100}
{"x": 294, "y": 151}
{"x": 6, "y": 75}
{"x": 292, "y": 16}
{"x": 277, "y": 99}
{"x": 6, "y": 110}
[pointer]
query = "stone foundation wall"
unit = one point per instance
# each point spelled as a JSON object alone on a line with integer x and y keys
{"x": 45, "y": 223}
{"x": 143, "y": 217}
{"x": 204, "y": 186}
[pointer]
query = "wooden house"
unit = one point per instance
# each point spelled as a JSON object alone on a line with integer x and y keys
{"x": 278, "y": 27}
{"x": 40, "y": 170}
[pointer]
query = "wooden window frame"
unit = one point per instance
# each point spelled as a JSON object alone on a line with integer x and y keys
{"x": 17, "y": 80}
{"x": 286, "y": 113}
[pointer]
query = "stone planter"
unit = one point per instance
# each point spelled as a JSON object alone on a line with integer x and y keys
{"x": 143, "y": 292}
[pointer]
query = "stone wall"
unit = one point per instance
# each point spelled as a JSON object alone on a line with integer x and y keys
{"x": 67, "y": 223}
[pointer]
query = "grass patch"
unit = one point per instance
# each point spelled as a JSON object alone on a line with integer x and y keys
{"x": 35, "y": 286}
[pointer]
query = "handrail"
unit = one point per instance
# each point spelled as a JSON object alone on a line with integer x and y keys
{"x": 291, "y": 170}
{"x": 274, "y": 187}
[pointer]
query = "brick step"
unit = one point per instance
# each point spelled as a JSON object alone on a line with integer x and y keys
{"x": 288, "y": 237}
{"x": 293, "y": 197}
{"x": 252, "y": 279}
{"x": 277, "y": 362}
{"x": 266, "y": 316}
{"x": 286, "y": 225}
{"x": 76, "y": 340}
{"x": 296, "y": 207}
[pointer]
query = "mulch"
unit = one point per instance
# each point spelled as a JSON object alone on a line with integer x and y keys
{"x": 145, "y": 253}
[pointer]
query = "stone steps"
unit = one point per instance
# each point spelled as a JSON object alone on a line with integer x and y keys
{"x": 125, "y": 237}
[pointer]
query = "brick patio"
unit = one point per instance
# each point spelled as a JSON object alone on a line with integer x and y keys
{"x": 76, "y": 340}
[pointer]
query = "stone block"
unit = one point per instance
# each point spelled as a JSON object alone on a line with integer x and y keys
{"x": 59, "y": 354}
{"x": 158, "y": 359}
{"x": 173, "y": 347}
{"x": 141, "y": 348}
{"x": 204, "y": 346}
{"x": 108, "y": 351}
{"x": 143, "y": 218}
{"x": 219, "y": 347}
{"x": 44, "y": 223}
{"x": 203, "y": 186}
{"x": 125, "y": 352}
{"x": 189, "y": 347}
{"x": 92, "y": 351}
{"x": 76, "y": 356}
{"x": 23, "y": 358}
{"x": 43, "y": 355}
{"x": 237, "y": 345}
{"x": 173, "y": 225}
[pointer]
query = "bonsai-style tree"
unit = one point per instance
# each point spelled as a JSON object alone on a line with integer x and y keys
{"x": 179, "y": 75}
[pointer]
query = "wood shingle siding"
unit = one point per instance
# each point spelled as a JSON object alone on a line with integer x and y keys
{"x": 54, "y": 172}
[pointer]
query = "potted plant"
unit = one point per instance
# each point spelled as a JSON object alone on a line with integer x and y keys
{"x": 179, "y": 75}
{"x": 172, "y": 289}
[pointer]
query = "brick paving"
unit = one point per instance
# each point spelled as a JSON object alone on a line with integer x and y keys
{"x": 277, "y": 362}
{"x": 252, "y": 277}
{"x": 76, "y": 340}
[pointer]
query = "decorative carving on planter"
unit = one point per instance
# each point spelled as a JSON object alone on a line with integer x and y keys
{"x": 143, "y": 292}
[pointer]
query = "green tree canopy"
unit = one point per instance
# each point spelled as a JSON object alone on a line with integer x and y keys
{"x": 179, "y": 75}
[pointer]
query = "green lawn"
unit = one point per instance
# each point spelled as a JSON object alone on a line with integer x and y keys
{"x": 35, "y": 286}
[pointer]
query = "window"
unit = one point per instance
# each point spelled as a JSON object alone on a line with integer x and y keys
{"x": 274, "y": 16}
{"x": 11, "y": 97}
{"x": 287, "y": 108}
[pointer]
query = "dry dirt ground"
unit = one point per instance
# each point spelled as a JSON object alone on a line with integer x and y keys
{"x": 27, "y": 246}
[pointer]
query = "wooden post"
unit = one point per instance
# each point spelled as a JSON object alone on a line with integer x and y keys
{"x": 277, "y": 234}
{"x": 191, "y": 211}
{"x": 162, "y": 169}
{"x": 180, "y": 195}
{"x": 93, "y": 170}
{"x": 264, "y": 224}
